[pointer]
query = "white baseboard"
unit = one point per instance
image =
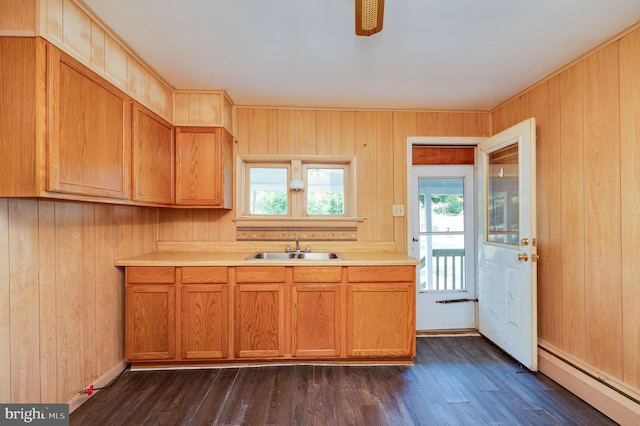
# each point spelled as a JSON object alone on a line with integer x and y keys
{"x": 615, "y": 405}
{"x": 101, "y": 381}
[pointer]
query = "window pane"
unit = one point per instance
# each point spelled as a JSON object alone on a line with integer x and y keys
{"x": 268, "y": 191}
{"x": 503, "y": 205}
{"x": 441, "y": 204}
{"x": 325, "y": 191}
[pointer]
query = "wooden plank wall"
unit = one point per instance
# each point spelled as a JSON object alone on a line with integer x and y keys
{"x": 588, "y": 124}
{"x": 61, "y": 298}
{"x": 378, "y": 139}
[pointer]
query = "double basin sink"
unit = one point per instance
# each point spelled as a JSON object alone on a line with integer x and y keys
{"x": 294, "y": 255}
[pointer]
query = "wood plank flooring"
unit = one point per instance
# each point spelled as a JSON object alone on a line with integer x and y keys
{"x": 454, "y": 381}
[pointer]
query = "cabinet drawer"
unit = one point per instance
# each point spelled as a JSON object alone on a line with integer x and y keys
{"x": 257, "y": 274}
{"x": 372, "y": 274}
{"x": 317, "y": 274}
{"x": 151, "y": 274}
{"x": 205, "y": 274}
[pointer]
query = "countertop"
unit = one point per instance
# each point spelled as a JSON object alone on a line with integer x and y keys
{"x": 198, "y": 258}
{"x": 235, "y": 254}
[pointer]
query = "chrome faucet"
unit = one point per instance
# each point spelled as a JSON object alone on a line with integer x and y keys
{"x": 297, "y": 250}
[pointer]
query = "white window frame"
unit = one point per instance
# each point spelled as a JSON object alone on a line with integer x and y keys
{"x": 298, "y": 166}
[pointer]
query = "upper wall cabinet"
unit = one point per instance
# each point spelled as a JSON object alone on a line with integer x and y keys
{"x": 204, "y": 167}
{"x": 22, "y": 101}
{"x": 153, "y": 157}
{"x": 65, "y": 133}
{"x": 89, "y": 129}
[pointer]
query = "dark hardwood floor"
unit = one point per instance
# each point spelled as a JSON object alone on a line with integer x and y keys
{"x": 454, "y": 381}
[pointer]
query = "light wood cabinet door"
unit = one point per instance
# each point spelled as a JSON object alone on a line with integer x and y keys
{"x": 316, "y": 320}
{"x": 153, "y": 157}
{"x": 150, "y": 306}
{"x": 205, "y": 311}
{"x": 204, "y": 167}
{"x": 150, "y": 322}
{"x": 259, "y": 320}
{"x": 89, "y": 129}
{"x": 380, "y": 311}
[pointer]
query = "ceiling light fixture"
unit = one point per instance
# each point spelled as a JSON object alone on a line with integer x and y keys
{"x": 369, "y": 16}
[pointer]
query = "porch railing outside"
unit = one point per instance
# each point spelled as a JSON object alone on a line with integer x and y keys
{"x": 447, "y": 269}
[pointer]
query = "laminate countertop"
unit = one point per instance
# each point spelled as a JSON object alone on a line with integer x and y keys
{"x": 238, "y": 258}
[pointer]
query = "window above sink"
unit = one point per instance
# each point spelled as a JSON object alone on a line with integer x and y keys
{"x": 281, "y": 196}
{"x": 277, "y": 186}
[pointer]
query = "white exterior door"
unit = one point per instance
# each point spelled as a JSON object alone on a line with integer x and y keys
{"x": 443, "y": 205}
{"x": 507, "y": 307}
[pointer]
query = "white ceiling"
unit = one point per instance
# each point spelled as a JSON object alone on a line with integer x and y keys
{"x": 431, "y": 54}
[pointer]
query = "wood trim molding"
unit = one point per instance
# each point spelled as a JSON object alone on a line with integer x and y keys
{"x": 601, "y": 396}
{"x": 102, "y": 381}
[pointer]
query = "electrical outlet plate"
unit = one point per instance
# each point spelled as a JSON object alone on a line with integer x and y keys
{"x": 398, "y": 209}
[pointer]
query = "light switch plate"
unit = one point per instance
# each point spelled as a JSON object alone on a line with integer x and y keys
{"x": 398, "y": 209}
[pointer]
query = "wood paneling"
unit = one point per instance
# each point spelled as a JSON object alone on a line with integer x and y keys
{"x": 425, "y": 155}
{"x": 378, "y": 139}
{"x": 572, "y": 213}
{"x": 61, "y": 297}
{"x": 629, "y": 60}
{"x": 588, "y": 224}
{"x": 603, "y": 304}
{"x": 202, "y": 108}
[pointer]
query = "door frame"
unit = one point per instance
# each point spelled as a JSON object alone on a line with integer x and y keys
{"x": 432, "y": 141}
{"x": 437, "y": 141}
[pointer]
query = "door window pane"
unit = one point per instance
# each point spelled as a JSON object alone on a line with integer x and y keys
{"x": 325, "y": 191}
{"x": 442, "y": 252}
{"x": 503, "y": 204}
{"x": 268, "y": 193}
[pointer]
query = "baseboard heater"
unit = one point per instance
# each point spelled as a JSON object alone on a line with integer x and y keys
{"x": 456, "y": 300}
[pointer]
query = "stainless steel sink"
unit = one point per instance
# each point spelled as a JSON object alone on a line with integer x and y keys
{"x": 272, "y": 255}
{"x": 275, "y": 255}
{"x": 319, "y": 256}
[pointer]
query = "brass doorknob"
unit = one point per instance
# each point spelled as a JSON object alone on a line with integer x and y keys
{"x": 523, "y": 257}
{"x": 535, "y": 257}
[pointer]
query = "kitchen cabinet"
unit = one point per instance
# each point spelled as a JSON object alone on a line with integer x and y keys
{"x": 89, "y": 131}
{"x": 316, "y": 302}
{"x": 182, "y": 315}
{"x": 204, "y": 312}
{"x": 380, "y": 311}
{"x": 66, "y": 132}
{"x": 259, "y": 309}
{"x": 153, "y": 157}
{"x": 150, "y": 305}
{"x": 204, "y": 167}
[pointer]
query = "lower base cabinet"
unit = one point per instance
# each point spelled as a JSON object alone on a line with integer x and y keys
{"x": 204, "y": 313}
{"x": 150, "y": 305}
{"x": 199, "y": 314}
{"x": 316, "y": 306}
{"x": 381, "y": 311}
